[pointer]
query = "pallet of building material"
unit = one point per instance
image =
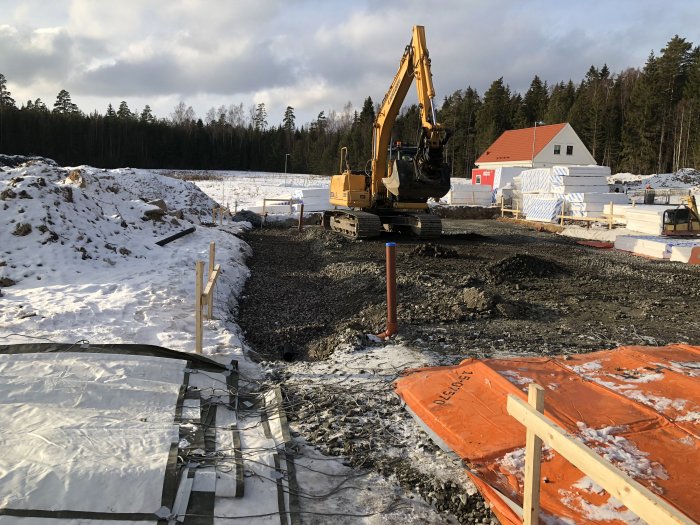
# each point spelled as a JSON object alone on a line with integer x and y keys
{"x": 469, "y": 194}
{"x": 538, "y": 180}
{"x": 310, "y": 193}
{"x": 542, "y": 208}
{"x": 597, "y": 197}
{"x": 658, "y": 247}
{"x": 647, "y": 219}
{"x": 583, "y": 209}
{"x": 582, "y": 171}
{"x": 272, "y": 209}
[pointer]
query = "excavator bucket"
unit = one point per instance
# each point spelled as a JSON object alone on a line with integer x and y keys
{"x": 411, "y": 182}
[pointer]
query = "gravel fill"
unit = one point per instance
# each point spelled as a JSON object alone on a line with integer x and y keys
{"x": 508, "y": 292}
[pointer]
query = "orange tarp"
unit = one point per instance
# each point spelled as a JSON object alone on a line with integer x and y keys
{"x": 639, "y": 407}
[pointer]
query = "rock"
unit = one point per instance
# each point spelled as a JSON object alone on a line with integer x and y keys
{"x": 124, "y": 251}
{"x": 160, "y": 203}
{"x": 477, "y": 299}
{"x": 22, "y": 229}
{"x": 153, "y": 214}
{"x": 7, "y": 193}
{"x": 75, "y": 177}
{"x": 6, "y": 281}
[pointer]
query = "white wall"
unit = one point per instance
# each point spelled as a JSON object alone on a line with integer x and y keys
{"x": 566, "y": 137}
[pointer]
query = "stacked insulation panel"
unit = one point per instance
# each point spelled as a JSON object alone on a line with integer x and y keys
{"x": 680, "y": 250}
{"x": 314, "y": 199}
{"x": 463, "y": 193}
{"x": 646, "y": 219}
{"x": 579, "y": 191}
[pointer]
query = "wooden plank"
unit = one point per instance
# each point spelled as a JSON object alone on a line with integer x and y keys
{"x": 637, "y": 498}
{"x": 207, "y": 293}
{"x": 533, "y": 460}
{"x": 199, "y": 273}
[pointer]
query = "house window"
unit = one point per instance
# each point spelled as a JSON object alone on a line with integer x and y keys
{"x": 557, "y": 149}
{"x": 569, "y": 150}
{"x": 478, "y": 179}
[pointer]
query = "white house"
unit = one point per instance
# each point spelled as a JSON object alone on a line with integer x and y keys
{"x": 538, "y": 147}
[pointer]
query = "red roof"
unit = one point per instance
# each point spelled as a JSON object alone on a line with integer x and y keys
{"x": 516, "y": 144}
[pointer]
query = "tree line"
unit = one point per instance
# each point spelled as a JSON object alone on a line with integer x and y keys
{"x": 639, "y": 120}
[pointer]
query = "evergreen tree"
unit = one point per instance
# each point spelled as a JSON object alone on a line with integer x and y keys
{"x": 64, "y": 105}
{"x": 288, "y": 122}
{"x": 260, "y": 117}
{"x": 40, "y": 106}
{"x": 147, "y": 115}
{"x": 560, "y": 102}
{"x": 494, "y": 115}
{"x": 6, "y": 101}
{"x": 124, "y": 112}
{"x": 535, "y": 102}
{"x": 110, "y": 112}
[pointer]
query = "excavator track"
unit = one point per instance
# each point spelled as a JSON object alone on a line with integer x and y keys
{"x": 353, "y": 224}
{"x": 426, "y": 226}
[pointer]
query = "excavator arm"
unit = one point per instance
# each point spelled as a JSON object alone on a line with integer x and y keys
{"x": 414, "y": 65}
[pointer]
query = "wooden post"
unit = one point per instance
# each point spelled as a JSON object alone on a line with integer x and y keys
{"x": 199, "y": 271}
{"x": 210, "y": 298}
{"x": 533, "y": 459}
{"x": 213, "y": 215}
{"x": 301, "y": 217}
{"x": 610, "y": 225}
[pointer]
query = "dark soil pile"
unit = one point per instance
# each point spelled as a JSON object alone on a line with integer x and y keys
{"x": 433, "y": 250}
{"x": 523, "y": 266}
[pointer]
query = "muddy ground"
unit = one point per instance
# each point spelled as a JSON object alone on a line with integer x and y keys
{"x": 486, "y": 288}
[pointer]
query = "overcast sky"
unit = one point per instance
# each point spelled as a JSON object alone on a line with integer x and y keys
{"x": 313, "y": 55}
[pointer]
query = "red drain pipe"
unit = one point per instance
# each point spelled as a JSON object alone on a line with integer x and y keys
{"x": 392, "y": 325}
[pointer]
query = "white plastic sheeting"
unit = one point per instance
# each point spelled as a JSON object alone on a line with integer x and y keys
{"x": 86, "y": 432}
{"x": 462, "y": 192}
{"x": 542, "y": 208}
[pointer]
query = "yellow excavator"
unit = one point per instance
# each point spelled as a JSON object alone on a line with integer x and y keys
{"x": 392, "y": 195}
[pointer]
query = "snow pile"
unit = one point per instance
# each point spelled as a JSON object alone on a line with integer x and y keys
{"x": 683, "y": 178}
{"x": 79, "y": 258}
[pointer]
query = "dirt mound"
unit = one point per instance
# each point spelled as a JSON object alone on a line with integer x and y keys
{"x": 523, "y": 266}
{"x": 433, "y": 250}
{"x": 248, "y": 216}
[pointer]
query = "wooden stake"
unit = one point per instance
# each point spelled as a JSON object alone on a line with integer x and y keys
{"x": 533, "y": 459}
{"x": 199, "y": 272}
{"x": 210, "y": 297}
{"x": 301, "y": 217}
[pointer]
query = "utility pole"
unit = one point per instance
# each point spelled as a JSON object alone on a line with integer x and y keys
{"x": 286, "y": 156}
{"x": 534, "y": 138}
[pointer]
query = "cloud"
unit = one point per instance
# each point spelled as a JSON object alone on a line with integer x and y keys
{"x": 313, "y": 55}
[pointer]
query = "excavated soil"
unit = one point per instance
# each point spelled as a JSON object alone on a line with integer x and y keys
{"x": 486, "y": 288}
{"x": 549, "y": 295}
